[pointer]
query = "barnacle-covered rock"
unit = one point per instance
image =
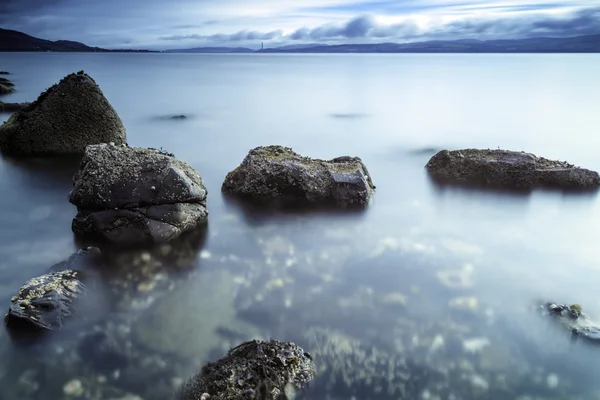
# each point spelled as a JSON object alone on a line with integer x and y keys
{"x": 44, "y": 302}
{"x": 277, "y": 175}
{"x": 253, "y": 370}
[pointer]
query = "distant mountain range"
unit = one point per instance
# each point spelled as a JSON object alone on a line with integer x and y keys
{"x": 18, "y": 41}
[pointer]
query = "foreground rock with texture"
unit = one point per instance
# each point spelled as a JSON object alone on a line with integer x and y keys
{"x": 63, "y": 120}
{"x": 252, "y": 370}
{"x": 276, "y": 175}
{"x": 574, "y": 321}
{"x": 46, "y": 301}
{"x": 134, "y": 195}
{"x": 508, "y": 169}
{"x": 11, "y": 107}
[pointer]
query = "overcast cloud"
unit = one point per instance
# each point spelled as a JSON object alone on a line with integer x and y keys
{"x": 158, "y": 24}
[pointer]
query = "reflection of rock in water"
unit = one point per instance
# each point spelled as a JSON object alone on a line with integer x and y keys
{"x": 252, "y": 370}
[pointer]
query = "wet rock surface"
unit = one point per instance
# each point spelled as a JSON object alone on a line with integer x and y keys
{"x": 574, "y": 320}
{"x": 64, "y": 119}
{"x": 133, "y": 195}
{"x": 276, "y": 175}
{"x": 11, "y": 107}
{"x": 508, "y": 169}
{"x": 46, "y": 301}
{"x": 253, "y": 370}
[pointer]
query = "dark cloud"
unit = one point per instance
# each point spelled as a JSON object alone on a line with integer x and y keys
{"x": 234, "y": 37}
{"x": 585, "y": 21}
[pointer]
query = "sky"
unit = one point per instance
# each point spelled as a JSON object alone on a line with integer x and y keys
{"x": 160, "y": 24}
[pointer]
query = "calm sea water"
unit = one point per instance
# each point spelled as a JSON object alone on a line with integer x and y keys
{"x": 353, "y": 288}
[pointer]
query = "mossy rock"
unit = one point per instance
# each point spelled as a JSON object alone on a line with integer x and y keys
{"x": 64, "y": 119}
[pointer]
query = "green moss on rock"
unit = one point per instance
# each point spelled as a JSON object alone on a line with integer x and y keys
{"x": 278, "y": 175}
{"x": 508, "y": 169}
{"x": 64, "y": 119}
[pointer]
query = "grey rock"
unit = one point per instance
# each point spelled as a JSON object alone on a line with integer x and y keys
{"x": 507, "y": 169}
{"x": 11, "y": 107}
{"x": 574, "y": 320}
{"x": 44, "y": 302}
{"x": 252, "y": 370}
{"x": 6, "y": 89}
{"x": 136, "y": 195}
{"x": 63, "y": 120}
{"x": 6, "y": 82}
{"x": 276, "y": 175}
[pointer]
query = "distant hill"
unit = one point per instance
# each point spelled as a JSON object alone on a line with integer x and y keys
{"x": 18, "y": 41}
{"x": 211, "y": 50}
{"x": 577, "y": 44}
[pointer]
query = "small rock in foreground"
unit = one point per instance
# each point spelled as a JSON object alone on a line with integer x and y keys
{"x": 44, "y": 302}
{"x": 508, "y": 169}
{"x": 6, "y": 89}
{"x": 276, "y": 175}
{"x": 252, "y": 370}
{"x": 11, "y": 107}
{"x": 135, "y": 195}
{"x": 63, "y": 120}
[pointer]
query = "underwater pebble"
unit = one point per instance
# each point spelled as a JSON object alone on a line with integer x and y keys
{"x": 73, "y": 388}
{"x": 205, "y": 254}
{"x": 464, "y": 303}
{"x": 437, "y": 343}
{"x": 145, "y": 256}
{"x": 205, "y": 396}
{"x": 552, "y": 381}
{"x": 479, "y": 382}
{"x": 475, "y": 345}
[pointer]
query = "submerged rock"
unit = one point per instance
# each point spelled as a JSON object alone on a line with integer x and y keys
{"x": 279, "y": 176}
{"x": 46, "y": 301}
{"x": 6, "y": 82}
{"x": 6, "y": 89}
{"x": 63, "y": 120}
{"x": 574, "y": 320}
{"x": 134, "y": 195}
{"x": 508, "y": 169}
{"x": 253, "y": 370}
{"x": 11, "y": 107}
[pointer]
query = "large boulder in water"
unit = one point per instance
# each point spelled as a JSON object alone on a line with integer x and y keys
{"x": 507, "y": 169}
{"x": 66, "y": 118}
{"x": 276, "y": 175}
{"x": 134, "y": 195}
{"x": 252, "y": 370}
{"x": 47, "y": 301}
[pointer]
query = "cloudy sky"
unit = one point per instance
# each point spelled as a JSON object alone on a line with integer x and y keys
{"x": 161, "y": 24}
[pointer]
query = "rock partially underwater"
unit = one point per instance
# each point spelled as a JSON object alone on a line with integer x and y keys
{"x": 574, "y": 320}
{"x": 11, "y": 107}
{"x": 253, "y": 370}
{"x": 508, "y": 169}
{"x": 276, "y": 175}
{"x": 63, "y": 120}
{"x": 134, "y": 195}
{"x": 46, "y": 301}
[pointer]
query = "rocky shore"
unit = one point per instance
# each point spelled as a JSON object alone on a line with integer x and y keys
{"x": 142, "y": 312}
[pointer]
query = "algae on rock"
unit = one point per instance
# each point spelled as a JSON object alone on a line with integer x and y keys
{"x": 64, "y": 119}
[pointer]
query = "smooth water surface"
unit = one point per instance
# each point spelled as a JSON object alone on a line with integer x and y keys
{"x": 427, "y": 294}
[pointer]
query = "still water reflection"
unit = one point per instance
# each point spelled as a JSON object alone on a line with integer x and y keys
{"x": 428, "y": 294}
